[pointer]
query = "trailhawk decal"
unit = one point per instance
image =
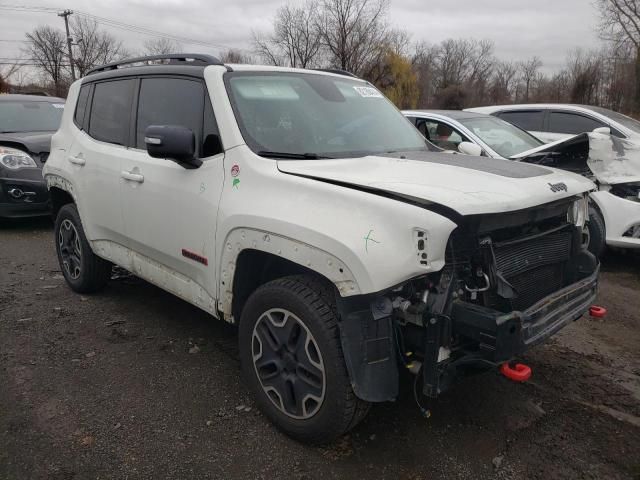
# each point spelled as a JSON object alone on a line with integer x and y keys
{"x": 194, "y": 256}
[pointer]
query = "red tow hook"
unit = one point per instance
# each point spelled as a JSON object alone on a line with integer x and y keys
{"x": 597, "y": 311}
{"x": 519, "y": 373}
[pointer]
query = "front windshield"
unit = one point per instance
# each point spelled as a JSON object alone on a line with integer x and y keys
{"x": 625, "y": 121}
{"x": 503, "y": 138}
{"x": 311, "y": 115}
{"x": 30, "y": 116}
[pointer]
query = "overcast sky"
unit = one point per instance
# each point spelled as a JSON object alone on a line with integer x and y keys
{"x": 519, "y": 28}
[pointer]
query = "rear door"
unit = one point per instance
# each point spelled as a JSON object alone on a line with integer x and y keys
{"x": 564, "y": 124}
{"x": 530, "y": 120}
{"x": 102, "y": 117}
{"x": 170, "y": 211}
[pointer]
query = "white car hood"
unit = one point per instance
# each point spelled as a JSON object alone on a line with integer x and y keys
{"x": 611, "y": 159}
{"x": 468, "y": 185}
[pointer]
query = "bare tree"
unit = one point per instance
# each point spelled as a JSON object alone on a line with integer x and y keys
{"x": 353, "y": 31}
{"x": 528, "y": 71}
{"x": 161, "y": 46}
{"x": 453, "y": 59}
{"x": 235, "y": 56}
{"x": 7, "y": 74}
{"x": 46, "y": 49}
{"x": 295, "y": 41}
{"x": 93, "y": 46}
{"x": 620, "y": 22}
{"x": 424, "y": 65}
{"x": 585, "y": 69}
{"x": 503, "y": 82}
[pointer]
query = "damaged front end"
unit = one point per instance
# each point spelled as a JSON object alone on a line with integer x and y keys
{"x": 510, "y": 281}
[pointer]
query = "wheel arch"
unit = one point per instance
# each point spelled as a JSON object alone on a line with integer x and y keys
{"x": 251, "y": 258}
{"x": 61, "y": 192}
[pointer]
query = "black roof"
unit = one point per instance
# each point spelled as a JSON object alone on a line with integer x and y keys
{"x": 181, "y": 59}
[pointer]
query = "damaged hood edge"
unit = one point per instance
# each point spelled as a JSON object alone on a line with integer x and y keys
{"x": 449, "y": 190}
{"x": 612, "y": 160}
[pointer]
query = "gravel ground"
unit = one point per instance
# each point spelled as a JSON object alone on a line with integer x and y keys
{"x": 111, "y": 386}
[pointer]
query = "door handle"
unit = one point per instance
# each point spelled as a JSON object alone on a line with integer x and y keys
{"x": 133, "y": 177}
{"x": 76, "y": 160}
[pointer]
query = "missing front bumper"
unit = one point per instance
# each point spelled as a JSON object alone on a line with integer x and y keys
{"x": 502, "y": 336}
{"x": 497, "y": 337}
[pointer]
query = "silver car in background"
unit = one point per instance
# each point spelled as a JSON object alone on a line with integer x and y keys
{"x": 556, "y": 121}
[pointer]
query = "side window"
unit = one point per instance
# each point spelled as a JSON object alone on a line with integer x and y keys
{"x": 110, "y": 111}
{"x": 530, "y": 120}
{"x": 81, "y": 106}
{"x": 440, "y": 134}
{"x": 169, "y": 101}
{"x": 572, "y": 123}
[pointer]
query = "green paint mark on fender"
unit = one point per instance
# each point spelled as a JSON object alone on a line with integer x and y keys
{"x": 368, "y": 239}
{"x": 236, "y": 182}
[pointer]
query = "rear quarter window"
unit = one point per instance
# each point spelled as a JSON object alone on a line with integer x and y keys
{"x": 81, "y": 106}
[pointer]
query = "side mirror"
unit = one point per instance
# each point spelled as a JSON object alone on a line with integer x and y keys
{"x": 605, "y": 130}
{"x": 469, "y": 148}
{"x": 172, "y": 142}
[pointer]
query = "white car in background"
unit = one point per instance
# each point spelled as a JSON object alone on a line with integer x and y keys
{"x": 612, "y": 162}
{"x": 555, "y": 121}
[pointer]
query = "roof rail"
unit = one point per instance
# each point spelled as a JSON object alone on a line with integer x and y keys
{"x": 337, "y": 71}
{"x": 194, "y": 59}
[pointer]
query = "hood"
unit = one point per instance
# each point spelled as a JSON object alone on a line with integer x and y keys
{"x": 610, "y": 159}
{"x": 36, "y": 142}
{"x": 468, "y": 185}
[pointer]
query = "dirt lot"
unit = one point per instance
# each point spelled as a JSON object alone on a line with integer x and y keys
{"x": 105, "y": 386}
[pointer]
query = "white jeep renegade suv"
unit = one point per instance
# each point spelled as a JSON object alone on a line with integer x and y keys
{"x": 303, "y": 207}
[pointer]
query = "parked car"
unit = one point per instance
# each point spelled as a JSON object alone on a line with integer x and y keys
{"x": 27, "y": 123}
{"x": 301, "y": 206}
{"x": 614, "y": 213}
{"x": 556, "y": 121}
{"x": 448, "y": 129}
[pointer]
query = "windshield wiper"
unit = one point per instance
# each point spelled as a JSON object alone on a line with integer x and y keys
{"x": 291, "y": 156}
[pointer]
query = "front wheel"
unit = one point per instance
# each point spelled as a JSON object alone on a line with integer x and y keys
{"x": 292, "y": 359}
{"x": 84, "y": 271}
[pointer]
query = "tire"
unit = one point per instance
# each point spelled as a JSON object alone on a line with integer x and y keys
{"x": 278, "y": 318}
{"x": 84, "y": 271}
{"x": 597, "y": 232}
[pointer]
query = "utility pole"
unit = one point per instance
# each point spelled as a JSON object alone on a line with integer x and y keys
{"x": 66, "y": 14}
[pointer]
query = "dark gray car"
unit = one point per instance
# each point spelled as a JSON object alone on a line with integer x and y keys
{"x": 27, "y": 123}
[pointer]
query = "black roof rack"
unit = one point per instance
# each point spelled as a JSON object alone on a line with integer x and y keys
{"x": 337, "y": 71}
{"x": 194, "y": 59}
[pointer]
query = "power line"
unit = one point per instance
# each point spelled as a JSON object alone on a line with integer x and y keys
{"x": 123, "y": 26}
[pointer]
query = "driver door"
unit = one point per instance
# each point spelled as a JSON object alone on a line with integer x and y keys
{"x": 170, "y": 211}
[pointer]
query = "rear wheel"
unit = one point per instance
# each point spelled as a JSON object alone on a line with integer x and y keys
{"x": 292, "y": 359}
{"x": 84, "y": 271}
{"x": 597, "y": 232}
